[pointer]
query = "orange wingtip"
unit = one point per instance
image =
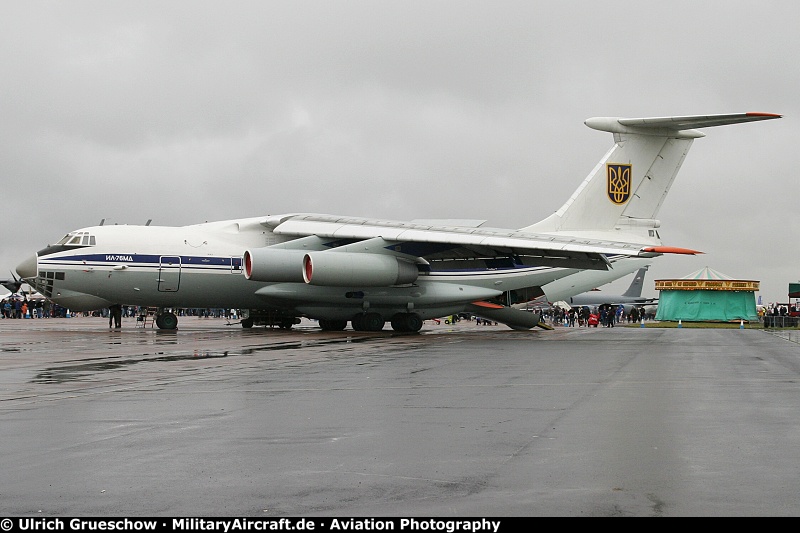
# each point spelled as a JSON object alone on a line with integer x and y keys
{"x": 488, "y": 305}
{"x": 671, "y": 250}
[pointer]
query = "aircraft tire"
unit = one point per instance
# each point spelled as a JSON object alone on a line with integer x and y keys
{"x": 247, "y": 323}
{"x": 332, "y": 325}
{"x": 407, "y": 322}
{"x": 413, "y": 322}
{"x": 373, "y": 322}
{"x": 166, "y": 321}
{"x": 357, "y": 322}
{"x": 399, "y": 323}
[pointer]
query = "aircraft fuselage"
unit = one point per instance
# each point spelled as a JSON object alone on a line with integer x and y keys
{"x": 201, "y": 266}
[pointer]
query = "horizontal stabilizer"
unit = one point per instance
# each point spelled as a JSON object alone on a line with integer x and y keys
{"x": 664, "y": 125}
{"x": 697, "y": 121}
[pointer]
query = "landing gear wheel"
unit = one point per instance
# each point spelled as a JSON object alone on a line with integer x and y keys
{"x": 413, "y": 322}
{"x": 247, "y": 323}
{"x": 367, "y": 322}
{"x": 166, "y": 321}
{"x": 338, "y": 325}
{"x": 398, "y": 322}
{"x": 373, "y": 322}
{"x": 332, "y": 325}
{"x": 407, "y": 322}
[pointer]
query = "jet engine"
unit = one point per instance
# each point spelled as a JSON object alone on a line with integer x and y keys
{"x": 274, "y": 264}
{"x": 344, "y": 269}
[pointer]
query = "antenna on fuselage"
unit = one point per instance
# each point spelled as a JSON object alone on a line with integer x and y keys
{"x": 149, "y": 220}
{"x": 102, "y": 221}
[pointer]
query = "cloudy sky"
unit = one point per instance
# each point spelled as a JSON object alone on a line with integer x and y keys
{"x": 192, "y": 111}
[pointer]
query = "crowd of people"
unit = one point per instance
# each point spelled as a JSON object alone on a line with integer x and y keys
{"x": 776, "y": 309}
{"x": 780, "y": 315}
{"x": 16, "y": 306}
{"x": 604, "y": 315}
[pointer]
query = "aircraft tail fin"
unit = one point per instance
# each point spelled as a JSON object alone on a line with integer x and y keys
{"x": 635, "y": 289}
{"x": 625, "y": 191}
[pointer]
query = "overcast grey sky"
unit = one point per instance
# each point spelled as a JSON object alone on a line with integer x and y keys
{"x": 192, "y": 111}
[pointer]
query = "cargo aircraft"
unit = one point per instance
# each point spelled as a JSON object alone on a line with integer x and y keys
{"x": 570, "y": 289}
{"x": 632, "y": 297}
{"x": 365, "y": 271}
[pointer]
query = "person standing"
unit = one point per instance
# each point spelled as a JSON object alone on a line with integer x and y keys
{"x": 115, "y": 315}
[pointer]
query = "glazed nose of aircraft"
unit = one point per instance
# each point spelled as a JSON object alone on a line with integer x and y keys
{"x": 28, "y": 268}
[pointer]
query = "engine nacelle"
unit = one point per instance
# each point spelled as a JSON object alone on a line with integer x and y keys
{"x": 346, "y": 269}
{"x": 274, "y": 264}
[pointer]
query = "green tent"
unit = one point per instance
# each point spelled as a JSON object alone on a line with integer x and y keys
{"x": 707, "y": 296}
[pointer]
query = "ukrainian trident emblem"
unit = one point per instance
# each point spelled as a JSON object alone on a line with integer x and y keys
{"x": 618, "y": 178}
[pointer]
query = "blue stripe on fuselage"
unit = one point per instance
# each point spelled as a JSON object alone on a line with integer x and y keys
{"x": 140, "y": 260}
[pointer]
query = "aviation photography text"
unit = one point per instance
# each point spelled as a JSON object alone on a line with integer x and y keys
{"x": 226, "y": 525}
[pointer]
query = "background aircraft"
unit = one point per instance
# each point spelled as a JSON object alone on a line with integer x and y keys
{"x": 340, "y": 269}
{"x": 630, "y": 298}
{"x": 561, "y": 290}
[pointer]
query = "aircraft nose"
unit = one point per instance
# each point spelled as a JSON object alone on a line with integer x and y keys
{"x": 28, "y": 268}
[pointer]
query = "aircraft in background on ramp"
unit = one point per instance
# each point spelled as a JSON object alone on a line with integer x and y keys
{"x": 580, "y": 289}
{"x": 561, "y": 290}
{"x": 340, "y": 269}
{"x": 632, "y": 297}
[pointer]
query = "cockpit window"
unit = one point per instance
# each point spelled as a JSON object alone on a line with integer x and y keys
{"x": 80, "y": 238}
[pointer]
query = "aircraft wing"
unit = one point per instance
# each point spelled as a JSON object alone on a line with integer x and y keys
{"x": 438, "y": 242}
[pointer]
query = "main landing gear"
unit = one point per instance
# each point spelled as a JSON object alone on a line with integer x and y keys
{"x": 403, "y": 322}
{"x": 166, "y": 320}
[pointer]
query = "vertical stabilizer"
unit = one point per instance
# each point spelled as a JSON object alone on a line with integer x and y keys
{"x": 625, "y": 191}
{"x": 635, "y": 289}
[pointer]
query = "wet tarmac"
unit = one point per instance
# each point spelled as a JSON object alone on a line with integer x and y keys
{"x": 459, "y": 420}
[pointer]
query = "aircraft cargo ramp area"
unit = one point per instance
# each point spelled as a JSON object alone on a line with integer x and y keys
{"x": 460, "y": 420}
